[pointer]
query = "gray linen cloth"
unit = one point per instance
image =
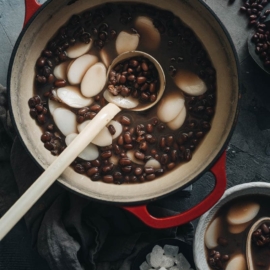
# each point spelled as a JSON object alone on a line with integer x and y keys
{"x": 67, "y": 230}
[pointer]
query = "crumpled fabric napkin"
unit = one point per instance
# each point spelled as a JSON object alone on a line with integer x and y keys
{"x": 69, "y": 231}
{"x": 8, "y": 190}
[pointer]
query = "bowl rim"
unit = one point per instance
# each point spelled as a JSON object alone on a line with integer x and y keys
{"x": 254, "y": 188}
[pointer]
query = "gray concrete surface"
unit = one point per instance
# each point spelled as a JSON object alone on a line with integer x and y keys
{"x": 11, "y": 20}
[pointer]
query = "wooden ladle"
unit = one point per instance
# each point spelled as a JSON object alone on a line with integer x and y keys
{"x": 254, "y": 227}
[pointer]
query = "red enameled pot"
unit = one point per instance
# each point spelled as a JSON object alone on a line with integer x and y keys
{"x": 41, "y": 22}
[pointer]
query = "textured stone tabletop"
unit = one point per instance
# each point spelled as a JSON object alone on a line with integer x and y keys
{"x": 248, "y": 153}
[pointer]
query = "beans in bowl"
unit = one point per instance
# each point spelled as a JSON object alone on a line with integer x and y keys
{"x": 70, "y": 85}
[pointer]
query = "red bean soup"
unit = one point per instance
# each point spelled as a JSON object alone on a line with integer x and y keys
{"x": 71, "y": 83}
{"x": 225, "y": 238}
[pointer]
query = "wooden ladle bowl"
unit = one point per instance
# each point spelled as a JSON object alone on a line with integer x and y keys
{"x": 254, "y": 227}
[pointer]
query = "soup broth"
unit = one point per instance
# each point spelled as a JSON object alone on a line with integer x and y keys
{"x": 147, "y": 146}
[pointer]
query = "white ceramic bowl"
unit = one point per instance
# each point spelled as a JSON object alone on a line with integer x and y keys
{"x": 199, "y": 251}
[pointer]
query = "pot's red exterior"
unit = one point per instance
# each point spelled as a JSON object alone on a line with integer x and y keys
{"x": 218, "y": 171}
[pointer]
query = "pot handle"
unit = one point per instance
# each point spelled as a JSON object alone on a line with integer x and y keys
{"x": 167, "y": 222}
{"x": 31, "y": 6}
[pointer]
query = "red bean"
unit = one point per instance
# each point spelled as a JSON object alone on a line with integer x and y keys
{"x": 139, "y": 155}
{"x": 124, "y": 161}
{"x": 124, "y": 120}
{"x": 108, "y": 178}
{"x": 60, "y": 83}
{"x": 92, "y": 171}
{"x": 151, "y": 176}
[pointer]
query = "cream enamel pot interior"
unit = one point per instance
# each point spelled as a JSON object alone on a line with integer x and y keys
{"x": 199, "y": 251}
{"x": 196, "y": 15}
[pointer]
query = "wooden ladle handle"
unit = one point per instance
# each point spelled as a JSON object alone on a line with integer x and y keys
{"x": 49, "y": 176}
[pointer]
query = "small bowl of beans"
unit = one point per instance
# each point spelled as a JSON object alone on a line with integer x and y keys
{"x": 221, "y": 234}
